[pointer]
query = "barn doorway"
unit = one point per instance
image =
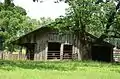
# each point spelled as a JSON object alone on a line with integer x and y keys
{"x": 67, "y": 52}
{"x": 53, "y": 50}
{"x": 101, "y": 53}
{"x": 30, "y": 51}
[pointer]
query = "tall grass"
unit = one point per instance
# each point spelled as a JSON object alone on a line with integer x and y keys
{"x": 58, "y": 70}
{"x": 56, "y": 65}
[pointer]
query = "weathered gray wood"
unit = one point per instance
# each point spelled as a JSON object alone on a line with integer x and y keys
{"x": 20, "y": 52}
{"x": 42, "y": 39}
{"x": 61, "y": 51}
{"x": 46, "y": 50}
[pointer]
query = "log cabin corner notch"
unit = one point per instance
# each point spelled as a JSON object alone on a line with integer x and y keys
{"x": 46, "y": 43}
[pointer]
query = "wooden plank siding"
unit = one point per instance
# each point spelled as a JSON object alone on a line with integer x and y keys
{"x": 42, "y": 39}
{"x": 43, "y": 36}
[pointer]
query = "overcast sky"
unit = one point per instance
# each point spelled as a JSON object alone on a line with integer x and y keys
{"x": 45, "y": 9}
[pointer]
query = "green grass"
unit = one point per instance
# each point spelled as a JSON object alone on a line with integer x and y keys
{"x": 58, "y": 70}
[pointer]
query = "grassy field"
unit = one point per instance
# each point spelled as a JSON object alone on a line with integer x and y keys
{"x": 58, "y": 70}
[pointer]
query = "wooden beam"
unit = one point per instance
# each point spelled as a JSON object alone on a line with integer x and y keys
{"x": 61, "y": 51}
{"x": 46, "y": 50}
{"x": 20, "y": 52}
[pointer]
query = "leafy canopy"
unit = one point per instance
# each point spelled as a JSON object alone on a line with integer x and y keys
{"x": 14, "y": 22}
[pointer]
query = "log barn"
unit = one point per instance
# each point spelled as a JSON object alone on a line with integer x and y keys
{"x": 46, "y": 43}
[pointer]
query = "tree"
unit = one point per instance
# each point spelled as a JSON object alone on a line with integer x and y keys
{"x": 111, "y": 12}
{"x": 94, "y": 16}
{"x": 43, "y": 21}
{"x": 110, "y": 21}
{"x": 14, "y": 23}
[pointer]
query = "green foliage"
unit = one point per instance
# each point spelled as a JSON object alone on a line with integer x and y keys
{"x": 43, "y": 21}
{"x": 14, "y": 23}
{"x": 94, "y": 16}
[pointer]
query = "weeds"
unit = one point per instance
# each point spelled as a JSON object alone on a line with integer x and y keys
{"x": 58, "y": 70}
{"x": 55, "y": 65}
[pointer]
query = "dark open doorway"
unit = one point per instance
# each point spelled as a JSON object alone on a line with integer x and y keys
{"x": 101, "y": 53}
{"x": 53, "y": 50}
{"x": 30, "y": 51}
{"x": 67, "y": 52}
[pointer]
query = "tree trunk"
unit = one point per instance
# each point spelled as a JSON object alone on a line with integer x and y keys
{"x": 84, "y": 46}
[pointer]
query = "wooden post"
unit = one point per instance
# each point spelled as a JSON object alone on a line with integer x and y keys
{"x": 20, "y": 52}
{"x": 41, "y": 55}
{"x": 78, "y": 50}
{"x": 61, "y": 51}
{"x": 1, "y": 54}
{"x": 73, "y": 53}
{"x": 46, "y": 50}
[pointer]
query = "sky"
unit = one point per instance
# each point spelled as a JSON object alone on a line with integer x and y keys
{"x": 46, "y": 9}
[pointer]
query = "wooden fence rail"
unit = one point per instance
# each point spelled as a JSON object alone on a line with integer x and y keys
{"x": 116, "y": 55}
{"x": 9, "y": 56}
{"x": 12, "y": 56}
